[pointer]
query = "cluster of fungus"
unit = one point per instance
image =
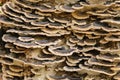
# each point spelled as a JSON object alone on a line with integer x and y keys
{"x": 60, "y": 40}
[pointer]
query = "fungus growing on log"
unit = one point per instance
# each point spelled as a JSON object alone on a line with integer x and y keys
{"x": 60, "y": 40}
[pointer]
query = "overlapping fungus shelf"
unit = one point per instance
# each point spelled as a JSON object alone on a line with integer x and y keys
{"x": 60, "y": 40}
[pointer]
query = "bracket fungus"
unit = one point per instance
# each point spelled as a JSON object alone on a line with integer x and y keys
{"x": 60, "y": 40}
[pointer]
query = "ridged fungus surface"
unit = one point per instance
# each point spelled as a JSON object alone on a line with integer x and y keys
{"x": 60, "y": 40}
